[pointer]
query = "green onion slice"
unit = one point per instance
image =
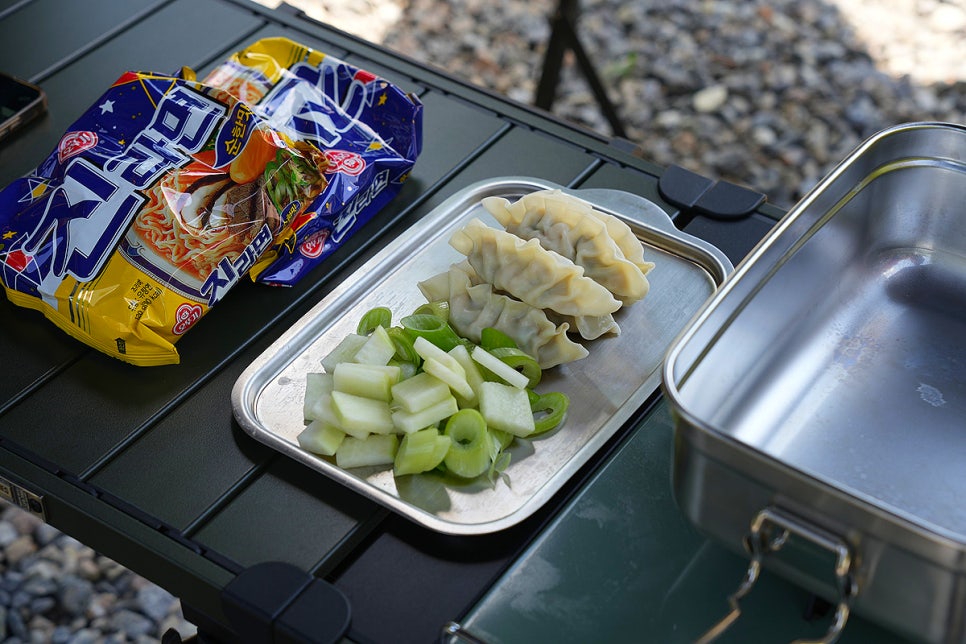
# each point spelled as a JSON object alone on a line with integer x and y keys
{"x": 491, "y": 338}
{"x": 548, "y": 410}
{"x": 406, "y": 369}
{"x": 501, "y": 439}
{"x": 433, "y": 328}
{"x": 469, "y": 454}
{"x": 440, "y": 309}
{"x": 498, "y": 469}
{"x": 404, "y": 346}
{"x": 379, "y": 316}
{"x": 520, "y": 361}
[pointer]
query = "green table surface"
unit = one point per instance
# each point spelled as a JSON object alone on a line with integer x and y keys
{"x": 620, "y": 564}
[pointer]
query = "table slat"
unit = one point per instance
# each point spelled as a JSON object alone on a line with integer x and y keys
{"x": 301, "y": 516}
{"x": 32, "y": 23}
{"x": 146, "y": 46}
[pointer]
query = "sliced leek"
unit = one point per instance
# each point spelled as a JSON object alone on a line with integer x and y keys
{"x": 433, "y": 328}
{"x": 491, "y": 338}
{"x": 404, "y": 346}
{"x": 470, "y": 451}
{"x": 521, "y": 362}
{"x": 440, "y": 309}
{"x": 418, "y": 397}
{"x": 549, "y": 410}
{"x": 379, "y": 316}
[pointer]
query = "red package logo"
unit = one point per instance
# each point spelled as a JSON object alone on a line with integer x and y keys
{"x": 74, "y": 143}
{"x": 18, "y": 260}
{"x": 345, "y": 162}
{"x": 185, "y": 317}
{"x": 315, "y": 244}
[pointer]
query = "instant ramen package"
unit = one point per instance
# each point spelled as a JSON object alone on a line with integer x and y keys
{"x": 169, "y": 190}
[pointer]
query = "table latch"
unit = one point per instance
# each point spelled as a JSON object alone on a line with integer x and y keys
{"x": 698, "y": 195}
{"x": 23, "y": 498}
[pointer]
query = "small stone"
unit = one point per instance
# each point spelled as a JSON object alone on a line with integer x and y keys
{"x": 88, "y": 569}
{"x": 41, "y": 605}
{"x": 8, "y": 533}
{"x": 86, "y": 636}
{"x": 24, "y": 522}
{"x": 41, "y": 630}
{"x": 764, "y": 136}
{"x": 39, "y": 586}
{"x": 20, "y": 599}
{"x": 669, "y": 119}
{"x": 61, "y": 635}
{"x": 100, "y": 605}
{"x": 131, "y": 624}
{"x": 155, "y": 602}
{"x": 11, "y": 580}
{"x": 19, "y": 548}
{"x": 75, "y": 594}
{"x": 45, "y": 533}
{"x": 710, "y": 99}
{"x": 16, "y": 625}
{"x": 46, "y": 566}
{"x": 111, "y": 569}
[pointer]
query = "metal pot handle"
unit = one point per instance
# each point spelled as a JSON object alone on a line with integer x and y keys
{"x": 763, "y": 539}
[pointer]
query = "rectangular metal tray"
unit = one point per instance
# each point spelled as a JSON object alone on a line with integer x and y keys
{"x": 605, "y": 388}
{"x": 827, "y": 380}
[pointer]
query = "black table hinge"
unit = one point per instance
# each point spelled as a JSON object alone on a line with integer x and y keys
{"x": 281, "y": 603}
{"x": 695, "y": 194}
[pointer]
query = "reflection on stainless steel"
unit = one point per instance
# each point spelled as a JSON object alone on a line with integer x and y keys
{"x": 828, "y": 375}
{"x": 605, "y": 388}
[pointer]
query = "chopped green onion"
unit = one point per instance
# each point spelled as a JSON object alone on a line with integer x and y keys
{"x": 491, "y": 338}
{"x": 520, "y": 361}
{"x": 498, "y": 468}
{"x": 440, "y": 309}
{"x": 469, "y": 452}
{"x": 379, "y": 316}
{"x": 406, "y": 369}
{"x": 501, "y": 439}
{"x": 404, "y": 346}
{"x": 420, "y": 451}
{"x": 548, "y": 410}
{"x": 433, "y": 328}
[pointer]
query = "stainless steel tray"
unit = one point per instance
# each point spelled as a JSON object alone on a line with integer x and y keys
{"x": 605, "y": 388}
{"x": 824, "y": 385}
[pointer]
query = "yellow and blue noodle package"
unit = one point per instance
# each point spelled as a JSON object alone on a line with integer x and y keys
{"x": 169, "y": 190}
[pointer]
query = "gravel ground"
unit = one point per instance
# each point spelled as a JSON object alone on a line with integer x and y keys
{"x": 769, "y": 94}
{"x": 55, "y": 590}
{"x": 765, "y": 93}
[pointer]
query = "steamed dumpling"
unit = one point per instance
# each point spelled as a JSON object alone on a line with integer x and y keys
{"x": 527, "y": 271}
{"x": 565, "y": 225}
{"x": 474, "y": 306}
{"x": 590, "y": 327}
{"x": 625, "y": 239}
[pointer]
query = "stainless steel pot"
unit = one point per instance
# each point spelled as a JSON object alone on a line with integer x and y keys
{"x": 820, "y": 394}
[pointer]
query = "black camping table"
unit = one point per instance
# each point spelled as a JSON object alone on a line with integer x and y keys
{"x": 148, "y": 466}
